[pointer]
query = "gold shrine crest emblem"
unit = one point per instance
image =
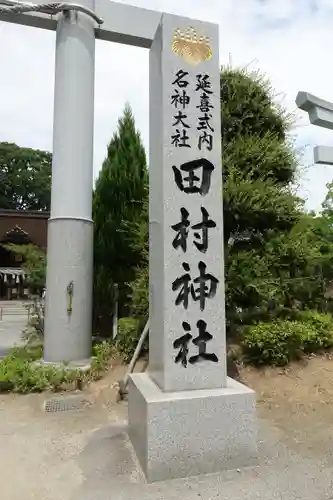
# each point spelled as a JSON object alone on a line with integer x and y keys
{"x": 191, "y": 47}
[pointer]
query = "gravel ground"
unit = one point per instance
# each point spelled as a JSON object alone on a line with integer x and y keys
{"x": 85, "y": 454}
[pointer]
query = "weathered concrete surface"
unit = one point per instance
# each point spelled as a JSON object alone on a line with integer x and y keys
{"x": 85, "y": 455}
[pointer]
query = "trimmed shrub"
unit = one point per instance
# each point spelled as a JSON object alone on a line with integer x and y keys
{"x": 280, "y": 342}
{"x": 323, "y": 327}
{"x": 20, "y": 373}
{"x": 275, "y": 343}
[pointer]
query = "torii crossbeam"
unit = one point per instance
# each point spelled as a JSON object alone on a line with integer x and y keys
{"x": 122, "y": 23}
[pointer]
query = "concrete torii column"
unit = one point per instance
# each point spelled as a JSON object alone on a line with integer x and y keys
{"x": 320, "y": 114}
{"x": 68, "y": 309}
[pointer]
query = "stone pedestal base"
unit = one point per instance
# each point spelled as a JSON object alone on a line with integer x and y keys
{"x": 183, "y": 434}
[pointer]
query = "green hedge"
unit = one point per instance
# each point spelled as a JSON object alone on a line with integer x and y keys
{"x": 279, "y": 342}
{"x": 323, "y": 326}
{"x": 20, "y": 373}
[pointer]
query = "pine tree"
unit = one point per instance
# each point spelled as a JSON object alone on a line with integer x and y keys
{"x": 120, "y": 191}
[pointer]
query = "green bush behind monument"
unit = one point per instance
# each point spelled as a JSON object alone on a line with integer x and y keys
{"x": 281, "y": 341}
{"x": 278, "y": 257}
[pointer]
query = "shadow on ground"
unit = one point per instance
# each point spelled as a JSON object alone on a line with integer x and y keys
{"x": 111, "y": 472}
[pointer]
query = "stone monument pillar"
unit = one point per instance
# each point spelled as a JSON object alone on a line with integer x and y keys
{"x": 186, "y": 416}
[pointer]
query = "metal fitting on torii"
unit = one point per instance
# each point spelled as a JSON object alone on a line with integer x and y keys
{"x": 51, "y": 8}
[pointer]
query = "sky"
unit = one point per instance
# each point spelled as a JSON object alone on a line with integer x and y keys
{"x": 290, "y": 41}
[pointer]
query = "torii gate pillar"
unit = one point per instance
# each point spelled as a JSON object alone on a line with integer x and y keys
{"x": 68, "y": 311}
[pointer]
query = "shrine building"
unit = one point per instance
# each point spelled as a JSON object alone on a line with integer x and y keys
{"x": 19, "y": 228}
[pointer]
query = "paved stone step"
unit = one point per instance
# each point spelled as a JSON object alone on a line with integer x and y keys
{"x": 21, "y": 312}
{"x": 6, "y": 312}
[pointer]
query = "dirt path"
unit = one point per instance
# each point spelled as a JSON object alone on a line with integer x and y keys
{"x": 84, "y": 455}
{"x": 47, "y": 456}
{"x": 299, "y": 401}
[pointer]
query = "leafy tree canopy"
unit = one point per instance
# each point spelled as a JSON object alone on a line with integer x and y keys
{"x": 259, "y": 162}
{"x": 274, "y": 261}
{"x": 25, "y": 178}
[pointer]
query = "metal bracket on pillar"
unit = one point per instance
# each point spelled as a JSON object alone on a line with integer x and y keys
{"x": 70, "y": 291}
{"x": 17, "y": 7}
{"x": 321, "y": 114}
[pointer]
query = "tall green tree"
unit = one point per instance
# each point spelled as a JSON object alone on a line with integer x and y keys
{"x": 259, "y": 169}
{"x": 25, "y": 178}
{"x": 259, "y": 161}
{"x": 270, "y": 256}
{"x": 119, "y": 195}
